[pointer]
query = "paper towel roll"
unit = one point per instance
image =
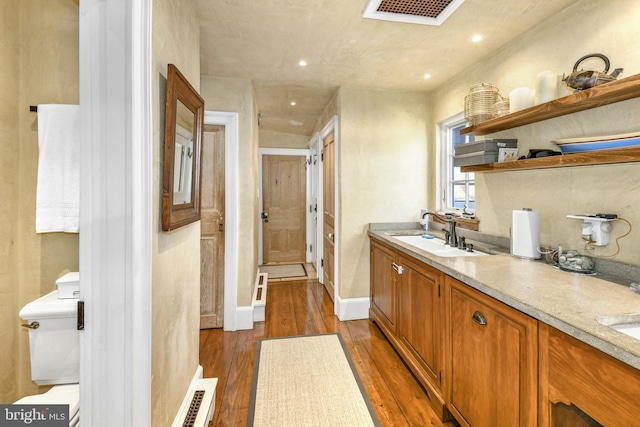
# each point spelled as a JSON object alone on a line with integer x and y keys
{"x": 525, "y": 234}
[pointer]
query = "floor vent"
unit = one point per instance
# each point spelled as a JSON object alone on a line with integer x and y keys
{"x": 259, "y": 301}
{"x": 194, "y": 408}
{"x": 426, "y": 12}
{"x": 198, "y": 404}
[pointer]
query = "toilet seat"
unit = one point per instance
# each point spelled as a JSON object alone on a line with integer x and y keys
{"x": 64, "y": 394}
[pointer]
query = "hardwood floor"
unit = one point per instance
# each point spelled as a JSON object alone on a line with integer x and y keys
{"x": 304, "y": 308}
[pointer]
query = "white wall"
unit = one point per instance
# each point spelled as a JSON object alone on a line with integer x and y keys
{"x": 270, "y": 139}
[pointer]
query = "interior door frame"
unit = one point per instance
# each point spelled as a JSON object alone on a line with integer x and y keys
{"x": 231, "y": 208}
{"x": 115, "y": 52}
{"x": 303, "y": 152}
{"x": 313, "y": 187}
{"x": 331, "y": 126}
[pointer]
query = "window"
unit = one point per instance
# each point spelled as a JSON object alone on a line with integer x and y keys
{"x": 458, "y": 189}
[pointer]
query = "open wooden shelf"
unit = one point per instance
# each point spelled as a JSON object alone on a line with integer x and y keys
{"x": 609, "y": 93}
{"x": 618, "y": 155}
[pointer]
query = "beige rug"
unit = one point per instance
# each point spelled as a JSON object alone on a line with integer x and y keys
{"x": 284, "y": 271}
{"x": 307, "y": 381}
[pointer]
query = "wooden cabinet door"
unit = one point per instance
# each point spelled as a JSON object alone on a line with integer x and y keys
{"x": 491, "y": 358}
{"x": 383, "y": 285}
{"x": 583, "y": 387}
{"x": 419, "y": 316}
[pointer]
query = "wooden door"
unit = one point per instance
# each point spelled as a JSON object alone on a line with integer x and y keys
{"x": 212, "y": 229}
{"x": 328, "y": 214}
{"x": 284, "y": 187}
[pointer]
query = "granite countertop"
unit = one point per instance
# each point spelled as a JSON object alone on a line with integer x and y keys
{"x": 570, "y": 302}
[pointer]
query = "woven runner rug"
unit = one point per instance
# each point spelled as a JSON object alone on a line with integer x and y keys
{"x": 284, "y": 271}
{"x": 307, "y": 381}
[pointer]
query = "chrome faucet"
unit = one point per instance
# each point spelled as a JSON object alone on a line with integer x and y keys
{"x": 451, "y": 236}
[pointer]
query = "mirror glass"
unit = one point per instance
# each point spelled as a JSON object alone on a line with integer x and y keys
{"x": 183, "y": 136}
{"x": 183, "y": 156}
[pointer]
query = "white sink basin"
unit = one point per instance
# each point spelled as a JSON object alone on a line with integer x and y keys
{"x": 436, "y": 246}
{"x": 628, "y": 324}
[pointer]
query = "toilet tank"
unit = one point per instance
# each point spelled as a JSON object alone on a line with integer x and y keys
{"x": 53, "y": 346}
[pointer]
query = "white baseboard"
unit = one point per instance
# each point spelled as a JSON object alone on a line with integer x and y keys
{"x": 353, "y": 308}
{"x": 244, "y": 318}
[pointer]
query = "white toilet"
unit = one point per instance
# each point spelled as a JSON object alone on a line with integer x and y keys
{"x": 53, "y": 348}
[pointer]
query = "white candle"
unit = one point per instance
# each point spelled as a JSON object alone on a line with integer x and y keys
{"x": 520, "y": 98}
{"x": 546, "y": 86}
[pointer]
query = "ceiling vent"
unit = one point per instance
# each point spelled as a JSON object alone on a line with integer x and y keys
{"x": 426, "y": 12}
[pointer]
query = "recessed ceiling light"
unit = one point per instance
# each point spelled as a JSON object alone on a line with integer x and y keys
{"x": 427, "y": 76}
{"x": 293, "y": 102}
{"x": 476, "y": 38}
{"x": 302, "y": 63}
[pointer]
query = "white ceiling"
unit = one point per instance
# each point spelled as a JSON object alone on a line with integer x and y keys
{"x": 263, "y": 40}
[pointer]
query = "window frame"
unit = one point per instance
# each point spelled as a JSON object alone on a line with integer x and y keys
{"x": 447, "y": 180}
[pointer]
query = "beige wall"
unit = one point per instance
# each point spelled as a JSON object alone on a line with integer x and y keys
{"x": 237, "y": 95}
{"x": 383, "y": 171}
{"x": 9, "y": 177}
{"x": 39, "y": 65}
{"x": 270, "y": 139}
{"x": 176, "y": 255}
{"x": 586, "y": 27}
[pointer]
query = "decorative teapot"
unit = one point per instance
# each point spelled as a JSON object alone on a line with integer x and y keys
{"x": 580, "y": 80}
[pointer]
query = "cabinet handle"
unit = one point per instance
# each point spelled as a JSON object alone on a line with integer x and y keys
{"x": 479, "y": 318}
{"x": 397, "y": 267}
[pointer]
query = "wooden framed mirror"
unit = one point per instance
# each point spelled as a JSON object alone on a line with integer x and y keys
{"x": 182, "y": 149}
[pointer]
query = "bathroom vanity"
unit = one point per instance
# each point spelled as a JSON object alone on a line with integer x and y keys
{"x": 497, "y": 340}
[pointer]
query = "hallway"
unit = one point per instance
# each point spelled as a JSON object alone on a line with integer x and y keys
{"x": 304, "y": 308}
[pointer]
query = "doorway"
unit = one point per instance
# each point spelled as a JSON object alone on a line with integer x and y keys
{"x": 212, "y": 207}
{"x": 328, "y": 208}
{"x": 328, "y": 213}
{"x": 283, "y": 209}
{"x": 230, "y": 122}
{"x": 283, "y": 203}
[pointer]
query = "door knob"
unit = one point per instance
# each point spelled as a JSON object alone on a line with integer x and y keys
{"x": 330, "y": 236}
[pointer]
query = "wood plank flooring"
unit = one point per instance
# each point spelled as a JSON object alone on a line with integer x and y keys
{"x": 303, "y": 308}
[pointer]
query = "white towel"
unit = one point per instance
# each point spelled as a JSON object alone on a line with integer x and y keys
{"x": 58, "y": 188}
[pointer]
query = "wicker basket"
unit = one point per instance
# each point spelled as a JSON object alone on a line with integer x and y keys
{"x": 478, "y": 105}
{"x": 500, "y": 108}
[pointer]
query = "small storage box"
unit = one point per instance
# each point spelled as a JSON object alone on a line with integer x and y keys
{"x": 481, "y": 152}
{"x": 69, "y": 286}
